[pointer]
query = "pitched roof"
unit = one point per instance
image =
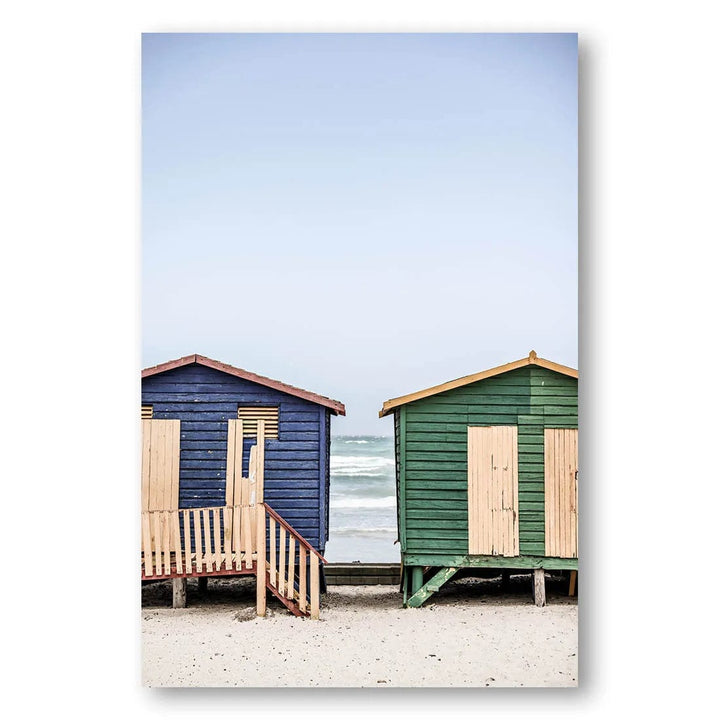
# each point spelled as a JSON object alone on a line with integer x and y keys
{"x": 531, "y": 359}
{"x": 334, "y": 405}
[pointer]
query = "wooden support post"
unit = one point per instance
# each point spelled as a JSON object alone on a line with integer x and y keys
{"x": 314, "y": 587}
{"x": 573, "y": 582}
{"x": 417, "y": 579}
{"x": 281, "y": 565}
{"x": 273, "y": 553}
{"x": 290, "y": 587}
{"x": 202, "y": 585}
{"x": 261, "y": 566}
{"x": 303, "y": 579}
{"x": 260, "y": 477}
{"x": 179, "y": 586}
{"x": 505, "y": 580}
{"x": 539, "y": 586}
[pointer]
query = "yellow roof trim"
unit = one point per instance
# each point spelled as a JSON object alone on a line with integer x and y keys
{"x": 531, "y": 359}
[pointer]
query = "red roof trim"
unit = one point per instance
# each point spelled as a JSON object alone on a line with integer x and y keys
{"x": 337, "y": 407}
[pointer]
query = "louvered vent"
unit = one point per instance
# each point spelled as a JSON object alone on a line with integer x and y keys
{"x": 146, "y": 412}
{"x": 250, "y": 417}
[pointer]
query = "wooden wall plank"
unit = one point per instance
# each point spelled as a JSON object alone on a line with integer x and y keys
{"x": 153, "y": 503}
{"x": 197, "y": 528}
{"x": 147, "y": 544}
{"x": 207, "y": 544}
{"x": 217, "y": 549}
{"x": 247, "y": 535}
{"x": 145, "y": 477}
{"x": 549, "y": 498}
{"x": 250, "y": 492}
{"x": 187, "y": 540}
{"x": 177, "y": 541}
{"x": 175, "y": 465}
{"x": 227, "y": 513}
{"x": 237, "y": 535}
{"x": 157, "y": 543}
{"x": 166, "y": 541}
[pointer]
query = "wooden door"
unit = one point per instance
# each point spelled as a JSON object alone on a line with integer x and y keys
{"x": 561, "y": 469}
{"x": 493, "y": 491}
{"x": 160, "y": 464}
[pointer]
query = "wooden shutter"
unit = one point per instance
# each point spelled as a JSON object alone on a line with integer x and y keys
{"x": 146, "y": 412}
{"x": 493, "y": 491}
{"x": 250, "y": 416}
{"x": 160, "y": 464}
{"x": 561, "y": 465}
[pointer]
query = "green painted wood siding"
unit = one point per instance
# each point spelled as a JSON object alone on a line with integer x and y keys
{"x": 433, "y": 444}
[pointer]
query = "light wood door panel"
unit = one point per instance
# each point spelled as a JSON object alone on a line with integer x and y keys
{"x": 493, "y": 491}
{"x": 561, "y": 470}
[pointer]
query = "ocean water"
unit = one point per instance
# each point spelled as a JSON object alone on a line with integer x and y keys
{"x": 363, "y": 509}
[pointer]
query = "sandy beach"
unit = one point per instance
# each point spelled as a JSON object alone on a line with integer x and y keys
{"x": 472, "y": 633}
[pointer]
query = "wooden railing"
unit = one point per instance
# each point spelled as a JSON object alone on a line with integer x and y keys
{"x": 199, "y": 540}
{"x": 291, "y": 558}
{"x": 229, "y": 540}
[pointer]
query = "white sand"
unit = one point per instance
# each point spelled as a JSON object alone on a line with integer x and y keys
{"x": 469, "y": 634}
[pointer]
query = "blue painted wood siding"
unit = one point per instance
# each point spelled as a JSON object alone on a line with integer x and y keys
{"x": 296, "y": 463}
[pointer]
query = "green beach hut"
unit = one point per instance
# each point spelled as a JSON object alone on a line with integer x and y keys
{"x": 486, "y": 472}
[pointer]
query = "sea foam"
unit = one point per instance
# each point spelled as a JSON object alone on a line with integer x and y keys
{"x": 353, "y": 465}
{"x": 366, "y": 502}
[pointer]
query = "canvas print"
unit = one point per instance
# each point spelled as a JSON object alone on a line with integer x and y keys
{"x": 359, "y": 396}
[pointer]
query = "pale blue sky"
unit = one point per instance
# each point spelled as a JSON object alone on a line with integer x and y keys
{"x": 360, "y": 215}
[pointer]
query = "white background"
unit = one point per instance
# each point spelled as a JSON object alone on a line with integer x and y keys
{"x": 71, "y": 357}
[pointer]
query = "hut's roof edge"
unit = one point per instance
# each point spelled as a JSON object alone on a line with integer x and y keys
{"x": 334, "y": 405}
{"x": 531, "y": 359}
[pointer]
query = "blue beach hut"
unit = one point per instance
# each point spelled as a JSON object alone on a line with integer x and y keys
{"x": 217, "y": 436}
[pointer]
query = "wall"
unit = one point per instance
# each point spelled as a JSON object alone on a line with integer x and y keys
{"x": 435, "y": 454}
{"x": 296, "y": 463}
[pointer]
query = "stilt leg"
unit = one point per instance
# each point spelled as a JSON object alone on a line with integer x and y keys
{"x": 261, "y": 565}
{"x": 573, "y": 582}
{"x": 179, "y": 586}
{"x": 202, "y": 585}
{"x": 417, "y": 579}
{"x": 539, "y": 586}
{"x": 505, "y": 580}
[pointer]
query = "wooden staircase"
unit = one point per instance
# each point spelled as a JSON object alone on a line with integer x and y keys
{"x": 234, "y": 540}
{"x": 291, "y": 560}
